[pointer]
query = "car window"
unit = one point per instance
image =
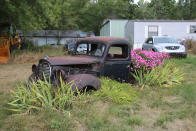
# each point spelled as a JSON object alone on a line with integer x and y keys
{"x": 118, "y": 52}
{"x": 91, "y": 49}
{"x": 149, "y": 41}
{"x": 165, "y": 40}
{"x": 82, "y": 48}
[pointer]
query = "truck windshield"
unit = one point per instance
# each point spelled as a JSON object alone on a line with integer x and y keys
{"x": 164, "y": 40}
{"x": 90, "y": 49}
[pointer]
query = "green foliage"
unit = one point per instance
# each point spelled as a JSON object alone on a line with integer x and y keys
{"x": 121, "y": 93}
{"x": 29, "y": 46}
{"x": 55, "y": 124}
{"x": 188, "y": 93}
{"x": 162, "y": 120}
{"x": 87, "y": 15}
{"x": 138, "y": 75}
{"x": 134, "y": 121}
{"x": 41, "y": 95}
{"x": 167, "y": 75}
{"x": 96, "y": 123}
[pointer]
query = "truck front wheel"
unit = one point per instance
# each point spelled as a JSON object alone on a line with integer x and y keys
{"x": 83, "y": 82}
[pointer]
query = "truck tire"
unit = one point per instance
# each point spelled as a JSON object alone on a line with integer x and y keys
{"x": 83, "y": 82}
{"x": 32, "y": 78}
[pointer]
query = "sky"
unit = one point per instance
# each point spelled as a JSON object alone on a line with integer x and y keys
{"x": 144, "y": 0}
{"x": 138, "y": 0}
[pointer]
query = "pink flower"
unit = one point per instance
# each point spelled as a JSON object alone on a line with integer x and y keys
{"x": 147, "y": 59}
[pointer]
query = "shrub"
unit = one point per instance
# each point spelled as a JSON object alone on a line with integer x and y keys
{"x": 41, "y": 95}
{"x": 29, "y": 46}
{"x": 143, "y": 61}
{"x": 191, "y": 46}
{"x": 167, "y": 75}
{"x": 121, "y": 93}
{"x": 149, "y": 69}
{"x": 147, "y": 59}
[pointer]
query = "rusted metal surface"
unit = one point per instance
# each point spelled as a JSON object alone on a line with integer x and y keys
{"x": 71, "y": 60}
{"x": 84, "y": 70}
{"x": 81, "y": 81}
{"x": 104, "y": 39}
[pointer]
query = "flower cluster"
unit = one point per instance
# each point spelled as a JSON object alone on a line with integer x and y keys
{"x": 147, "y": 59}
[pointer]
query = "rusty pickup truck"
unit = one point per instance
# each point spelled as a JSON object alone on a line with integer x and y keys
{"x": 93, "y": 57}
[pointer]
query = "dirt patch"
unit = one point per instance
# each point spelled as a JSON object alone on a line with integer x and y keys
{"x": 101, "y": 107}
{"x": 149, "y": 116}
{"x": 181, "y": 125}
{"x": 172, "y": 99}
{"x": 11, "y": 74}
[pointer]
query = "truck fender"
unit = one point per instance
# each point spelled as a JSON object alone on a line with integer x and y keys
{"x": 82, "y": 82}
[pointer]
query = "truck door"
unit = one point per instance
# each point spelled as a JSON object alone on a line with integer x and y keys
{"x": 117, "y": 62}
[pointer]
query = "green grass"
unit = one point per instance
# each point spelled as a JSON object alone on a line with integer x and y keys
{"x": 134, "y": 121}
{"x": 107, "y": 109}
{"x": 121, "y": 93}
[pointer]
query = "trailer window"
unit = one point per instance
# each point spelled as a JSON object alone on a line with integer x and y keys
{"x": 193, "y": 29}
{"x": 152, "y": 30}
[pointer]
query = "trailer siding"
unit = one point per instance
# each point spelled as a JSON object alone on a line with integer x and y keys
{"x": 178, "y": 30}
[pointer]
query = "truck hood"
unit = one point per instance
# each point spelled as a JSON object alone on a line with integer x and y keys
{"x": 71, "y": 60}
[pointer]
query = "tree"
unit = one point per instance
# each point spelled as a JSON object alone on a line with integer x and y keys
{"x": 163, "y": 9}
{"x": 143, "y": 11}
{"x": 86, "y": 15}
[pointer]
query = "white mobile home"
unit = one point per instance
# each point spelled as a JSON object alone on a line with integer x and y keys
{"x": 136, "y": 31}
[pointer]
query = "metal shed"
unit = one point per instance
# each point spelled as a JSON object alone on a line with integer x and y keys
{"x": 53, "y": 37}
{"x": 113, "y": 28}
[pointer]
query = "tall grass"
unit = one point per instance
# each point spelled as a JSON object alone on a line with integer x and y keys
{"x": 191, "y": 46}
{"x": 33, "y": 54}
{"x": 41, "y": 95}
{"x": 167, "y": 75}
{"x": 120, "y": 93}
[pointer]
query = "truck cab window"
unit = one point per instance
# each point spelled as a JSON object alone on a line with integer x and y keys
{"x": 118, "y": 52}
{"x": 91, "y": 49}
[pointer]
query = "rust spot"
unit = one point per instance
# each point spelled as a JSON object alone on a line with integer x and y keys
{"x": 101, "y": 38}
{"x": 80, "y": 81}
{"x": 71, "y": 60}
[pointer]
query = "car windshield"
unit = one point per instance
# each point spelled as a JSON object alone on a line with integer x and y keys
{"x": 91, "y": 49}
{"x": 164, "y": 40}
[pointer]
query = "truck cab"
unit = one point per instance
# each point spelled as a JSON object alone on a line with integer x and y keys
{"x": 92, "y": 58}
{"x": 113, "y": 54}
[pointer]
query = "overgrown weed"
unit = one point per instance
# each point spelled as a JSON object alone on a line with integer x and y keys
{"x": 42, "y": 94}
{"x": 34, "y": 53}
{"x": 121, "y": 93}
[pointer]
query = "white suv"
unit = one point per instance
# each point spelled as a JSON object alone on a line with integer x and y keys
{"x": 165, "y": 44}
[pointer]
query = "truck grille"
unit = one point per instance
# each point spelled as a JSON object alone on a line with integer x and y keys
{"x": 172, "y": 47}
{"x": 44, "y": 70}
